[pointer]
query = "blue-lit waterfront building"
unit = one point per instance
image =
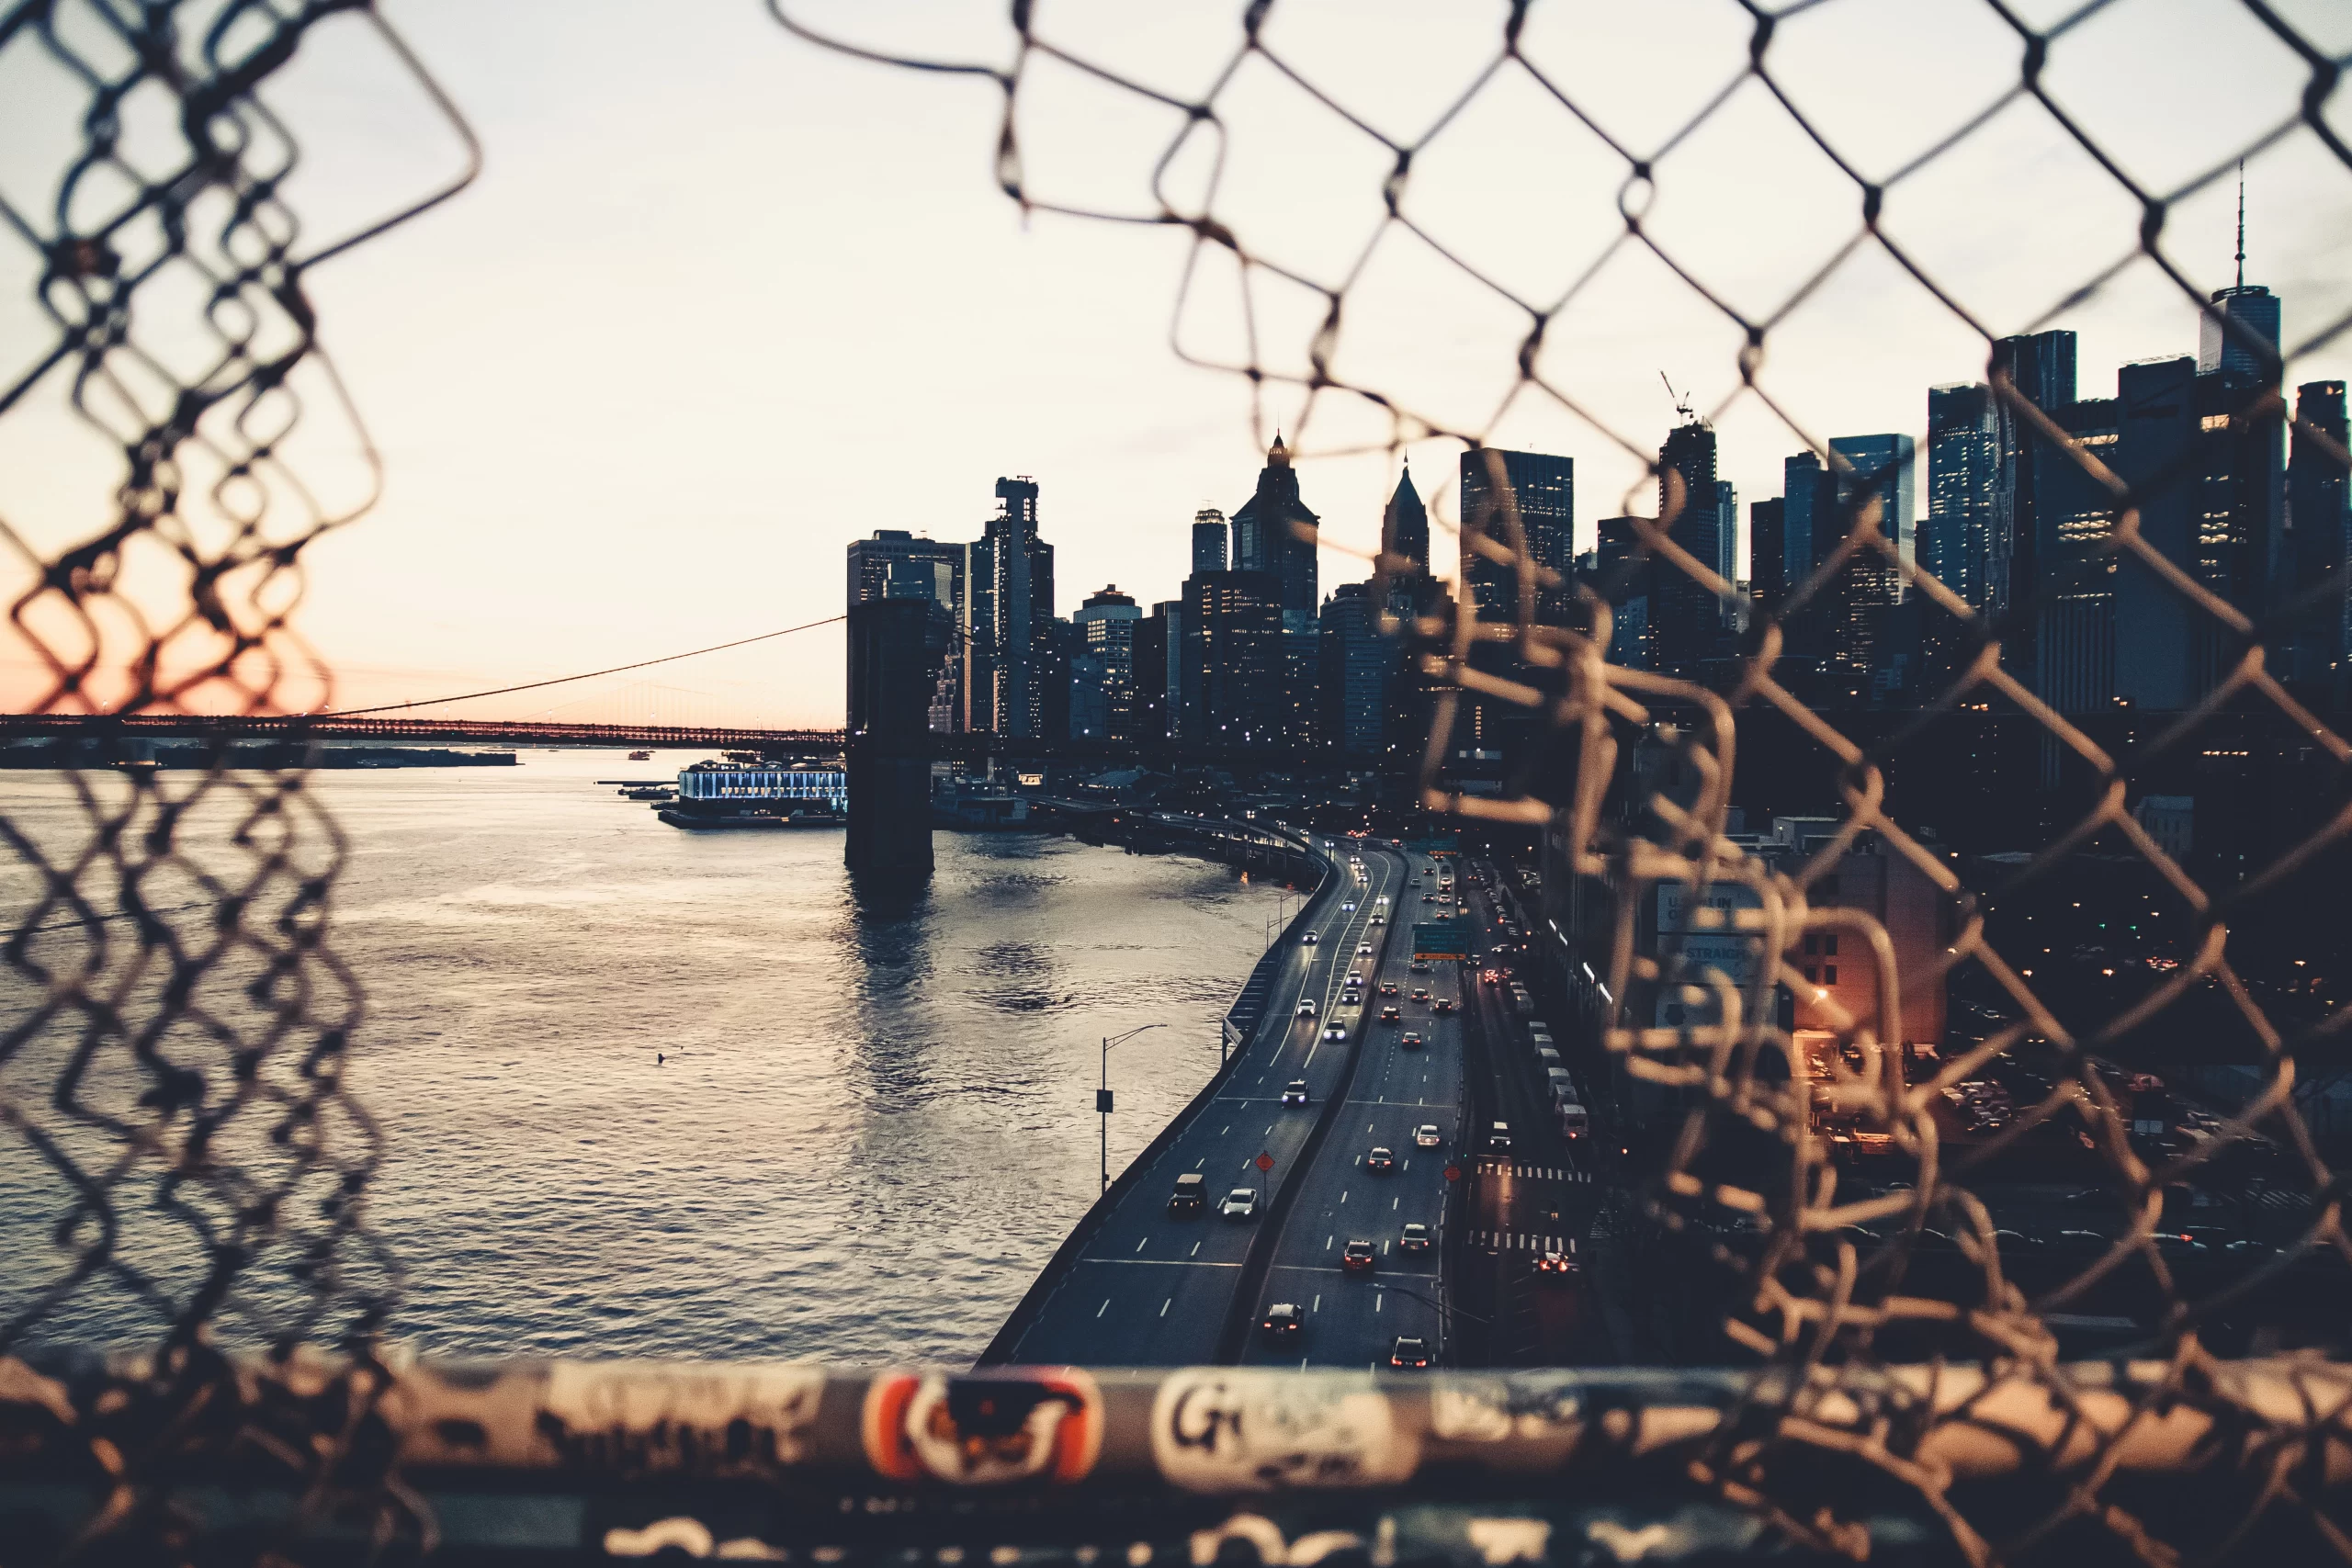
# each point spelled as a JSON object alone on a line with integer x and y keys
{"x": 775, "y": 791}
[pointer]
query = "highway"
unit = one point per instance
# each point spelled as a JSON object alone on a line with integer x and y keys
{"x": 1353, "y": 1319}
{"x": 1545, "y": 1194}
{"x": 1152, "y": 1290}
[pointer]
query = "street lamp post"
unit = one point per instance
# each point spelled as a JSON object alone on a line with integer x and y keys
{"x": 1103, "y": 1095}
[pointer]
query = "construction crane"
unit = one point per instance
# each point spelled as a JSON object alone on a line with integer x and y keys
{"x": 1681, "y": 399}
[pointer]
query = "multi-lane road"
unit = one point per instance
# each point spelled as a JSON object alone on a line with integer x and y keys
{"x": 1352, "y": 1318}
{"x": 1542, "y": 1197}
{"x": 1151, "y": 1288}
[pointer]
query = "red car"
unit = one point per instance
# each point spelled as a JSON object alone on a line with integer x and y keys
{"x": 1357, "y": 1258}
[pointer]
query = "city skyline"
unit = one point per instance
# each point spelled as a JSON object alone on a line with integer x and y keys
{"x": 931, "y": 333}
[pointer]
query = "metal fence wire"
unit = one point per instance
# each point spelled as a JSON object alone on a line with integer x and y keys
{"x": 177, "y": 1023}
{"x": 1815, "y": 1165}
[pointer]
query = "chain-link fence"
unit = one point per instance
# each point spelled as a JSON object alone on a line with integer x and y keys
{"x": 190, "y": 1163}
{"x": 1832, "y": 1173}
{"x": 1840, "y": 1170}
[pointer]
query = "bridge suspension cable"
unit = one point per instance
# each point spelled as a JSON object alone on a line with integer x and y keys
{"x": 590, "y": 675}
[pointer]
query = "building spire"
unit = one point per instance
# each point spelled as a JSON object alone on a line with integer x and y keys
{"x": 2241, "y": 222}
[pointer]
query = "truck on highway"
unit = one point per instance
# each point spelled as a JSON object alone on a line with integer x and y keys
{"x": 1574, "y": 1122}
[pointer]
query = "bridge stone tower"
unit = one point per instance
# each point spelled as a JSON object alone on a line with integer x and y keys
{"x": 896, "y": 649}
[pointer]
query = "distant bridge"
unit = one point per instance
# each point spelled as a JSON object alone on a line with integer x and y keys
{"x": 469, "y": 731}
{"x": 392, "y": 730}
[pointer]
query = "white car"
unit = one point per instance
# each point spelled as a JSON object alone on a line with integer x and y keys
{"x": 1309, "y": 940}
{"x": 1363, "y": 950}
{"x": 1307, "y": 1007}
{"x": 1427, "y": 1137}
{"x": 1241, "y": 1203}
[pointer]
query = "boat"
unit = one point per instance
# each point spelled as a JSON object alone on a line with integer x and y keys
{"x": 640, "y": 756}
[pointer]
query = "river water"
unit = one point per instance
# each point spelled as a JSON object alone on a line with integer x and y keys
{"x": 872, "y": 1124}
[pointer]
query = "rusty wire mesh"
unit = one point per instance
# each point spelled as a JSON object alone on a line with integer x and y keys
{"x": 188, "y": 1167}
{"x": 1838, "y": 1263}
{"x": 177, "y": 1021}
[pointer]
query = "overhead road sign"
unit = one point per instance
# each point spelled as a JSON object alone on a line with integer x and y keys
{"x": 1442, "y": 938}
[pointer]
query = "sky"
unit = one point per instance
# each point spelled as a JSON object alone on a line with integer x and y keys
{"x": 721, "y": 301}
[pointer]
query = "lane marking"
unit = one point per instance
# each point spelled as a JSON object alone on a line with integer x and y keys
{"x": 1103, "y": 1308}
{"x": 1166, "y": 1304}
{"x": 1144, "y": 1243}
{"x": 1195, "y": 1252}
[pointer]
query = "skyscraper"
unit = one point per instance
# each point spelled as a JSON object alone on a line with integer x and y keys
{"x": 1807, "y": 525}
{"x": 1686, "y": 619}
{"x": 1009, "y": 609}
{"x": 1626, "y": 583}
{"x": 2239, "y": 334}
{"x": 1233, "y": 680}
{"x": 1355, "y": 676}
{"x": 2041, "y": 370}
{"x": 1543, "y": 487}
{"x": 1964, "y": 470}
{"x": 2158, "y": 650}
{"x": 1108, "y": 621}
{"x": 2320, "y": 523}
{"x": 1151, "y": 672}
{"x": 895, "y": 564}
{"x": 1767, "y": 564}
{"x": 1726, "y": 561}
{"x": 1208, "y": 540}
{"x": 1866, "y": 654}
{"x": 1274, "y": 533}
{"x": 1405, "y": 531}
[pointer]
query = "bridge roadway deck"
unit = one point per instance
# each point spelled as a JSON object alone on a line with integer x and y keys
{"x": 1354, "y": 1319}
{"x": 1149, "y": 1289}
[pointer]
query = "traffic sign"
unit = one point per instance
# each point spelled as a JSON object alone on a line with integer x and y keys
{"x": 1453, "y": 1173}
{"x": 1265, "y": 1161}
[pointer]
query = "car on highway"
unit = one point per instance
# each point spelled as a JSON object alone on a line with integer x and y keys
{"x": 1307, "y": 1007}
{"x": 1295, "y": 1092}
{"x": 1349, "y": 906}
{"x": 1377, "y": 920}
{"x": 1358, "y": 1256}
{"x": 1555, "y": 1262}
{"x": 1420, "y": 967}
{"x": 1355, "y": 981}
{"x": 1283, "y": 1322}
{"x": 1414, "y": 1238}
{"x": 1309, "y": 940}
{"x": 1388, "y": 988}
{"x": 1420, "y": 994}
{"x": 1410, "y": 1350}
{"x": 1186, "y": 1200}
{"x": 1363, "y": 950}
{"x": 1381, "y": 1160}
{"x": 1444, "y": 1004}
{"x": 1389, "y": 1015}
{"x": 1336, "y": 1031}
{"x": 1429, "y": 897}
{"x": 1427, "y": 1137}
{"x": 1241, "y": 1203}
{"x": 1412, "y": 1041}
{"x": 1498, "y": 1138}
